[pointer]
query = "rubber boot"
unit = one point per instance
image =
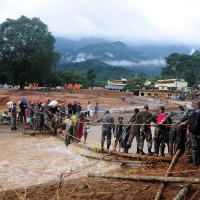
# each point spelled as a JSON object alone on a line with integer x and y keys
{"x": 171, "y": 149}
{"x": 162, "y": 150}
{"x": 195, "y": 159}
{"x": 102, "y": 146}
{"x": 156, "y": 149}
{"x": 175, "y": 148}
{"x": 108, "y": 145}
{"x": 127, "y": 147}
{"x": 141, "y": 149}
{"x": 138, "y": 150}
{"x": 149, "y": 151}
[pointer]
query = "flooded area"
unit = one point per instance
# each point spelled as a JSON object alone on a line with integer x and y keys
{"x": 26, "y": 160}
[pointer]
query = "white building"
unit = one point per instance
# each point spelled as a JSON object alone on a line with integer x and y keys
{"x": 171, "y": 84}
{"x": 116, "y": 84}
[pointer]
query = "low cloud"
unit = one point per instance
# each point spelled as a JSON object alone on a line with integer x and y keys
{"x": 192, "y": 51}
{"x": 129, "y": 63}
{"x": 81, "y": 57}
{"x": 110, "y": 55}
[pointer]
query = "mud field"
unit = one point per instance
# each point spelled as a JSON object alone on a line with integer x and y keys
{"x": 31, "y": 167}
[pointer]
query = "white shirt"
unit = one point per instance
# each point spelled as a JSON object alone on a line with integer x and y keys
{"x": 89, "y": 107}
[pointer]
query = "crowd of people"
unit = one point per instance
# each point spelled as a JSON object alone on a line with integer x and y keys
{"x": 179, "y": 129}
{"x": 50, "y": 114}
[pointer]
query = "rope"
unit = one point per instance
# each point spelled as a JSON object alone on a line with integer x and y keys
{"x": 126, "y": 124}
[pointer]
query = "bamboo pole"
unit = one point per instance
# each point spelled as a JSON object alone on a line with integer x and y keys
{"x": 147, "y": 178}
{"x": 181, "y": 194}
{"x": 170, "y": 168}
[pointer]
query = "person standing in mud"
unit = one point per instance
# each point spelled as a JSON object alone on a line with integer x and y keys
{"x": 177, "y": 134}
{"x": 106, "y": 129}
{"x": 194, "y": 128}
{"x": 89, "y": 109}
{"x": 31, "y": 108}
{"x": 13, "y": 117}
{"x": 144, "y": 118}
{"x": 161, "y": 132}
{"x": 132, "y": 131}
{"x": 119, "y": 129}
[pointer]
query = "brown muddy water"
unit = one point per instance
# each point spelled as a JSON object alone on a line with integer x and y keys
{"x": 26, "y": 160}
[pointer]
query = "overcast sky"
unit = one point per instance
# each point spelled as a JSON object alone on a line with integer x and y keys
{"x": 166, "y": 21}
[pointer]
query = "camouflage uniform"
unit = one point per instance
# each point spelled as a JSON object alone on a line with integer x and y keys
{"x": 106, "y": 130}
{"x": 133, "y": 132}
{"x": 145, "y": 118}
{"x": 176, "y": 134}
{"x": 194, "y": 126}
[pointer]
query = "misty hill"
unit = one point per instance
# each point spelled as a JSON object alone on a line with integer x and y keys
{"x": 103, "y": 70}
{"x": 146, "y": 59}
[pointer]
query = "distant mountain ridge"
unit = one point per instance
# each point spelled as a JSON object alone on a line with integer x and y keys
{"x": 146, "y": 59}
{"x": 103, "y": 70}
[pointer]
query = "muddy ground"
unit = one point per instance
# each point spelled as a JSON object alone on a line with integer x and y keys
{"x": 44, "y": 157}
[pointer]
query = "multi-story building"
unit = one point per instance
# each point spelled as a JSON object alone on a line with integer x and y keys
{"x": 116, "y": 84}
{"x": 171, "y": 85}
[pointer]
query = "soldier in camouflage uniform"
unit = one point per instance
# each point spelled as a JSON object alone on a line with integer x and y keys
{"x": 134, "y": 131}
{"x": 176, "y": 133}
{"x": 144, "y": 118}
{"x": 194, "y": 127}
{"x": 107, "y": 127}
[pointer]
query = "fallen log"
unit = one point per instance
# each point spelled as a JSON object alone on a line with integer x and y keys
{"x": 170, "y": 168}
{"x": 124, "y": 155}
{"x": 147, "y": 178}
{"x": 181, "y": 194}
{"x": 103, "y": 158}
{"x": 109, "y": 152}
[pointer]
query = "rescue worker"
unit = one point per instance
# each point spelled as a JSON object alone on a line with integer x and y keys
{"x": 161, "y": 132}
{"x": 134, "y": 131}
{"x": 176, "y": 118}
{"x": 144, "y": 118}
{"x": 31, "y": 108}
{"x": 194, "y": 127}
{"x": 39, "y": 117}
{"x": 118, "y": 133}
{"x": 47, "y": 114}
{"x": 13, "y": 116}
{"x": 107, "y": 127}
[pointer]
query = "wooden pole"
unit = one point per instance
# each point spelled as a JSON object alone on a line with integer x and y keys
{"x": 153, "y": 179}
{"x": 170, "y": 168}
{"x": 181, "y": 194}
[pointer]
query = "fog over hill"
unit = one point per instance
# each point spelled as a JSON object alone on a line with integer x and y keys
{"x": 147, "y": 59}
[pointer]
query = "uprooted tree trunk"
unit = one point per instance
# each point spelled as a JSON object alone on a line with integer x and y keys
{"x": 170, "y": 168}
{"x": 147, "y": 178}
{"x": 181, "y": 194}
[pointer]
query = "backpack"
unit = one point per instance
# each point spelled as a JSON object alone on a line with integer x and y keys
{"x": 194, "y": 122}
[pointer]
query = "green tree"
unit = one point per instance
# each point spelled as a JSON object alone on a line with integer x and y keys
{"x": 26, "y": 50}
{"x": 136, "y": 83}
{"x": 183, "y": 66}
{"x": 91, "y": 76}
